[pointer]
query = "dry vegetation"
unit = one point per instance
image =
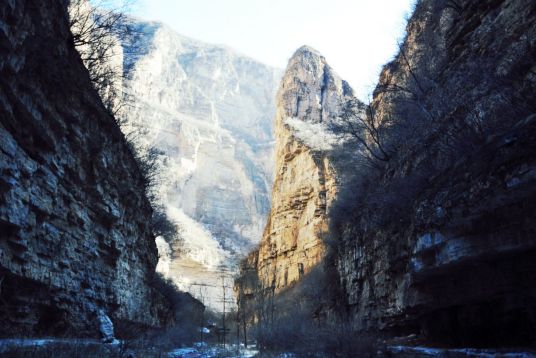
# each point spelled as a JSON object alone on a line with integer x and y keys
{"x": 97, "y": 28}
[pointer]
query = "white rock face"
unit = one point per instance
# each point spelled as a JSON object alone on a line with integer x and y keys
{"x": 210, "y": 111}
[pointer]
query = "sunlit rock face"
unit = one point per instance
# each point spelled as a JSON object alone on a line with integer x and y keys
{"x": 210, "y": 111}
{"x": 310, "y": 98}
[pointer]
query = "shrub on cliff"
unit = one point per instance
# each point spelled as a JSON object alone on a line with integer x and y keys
{"x": 150, "y": 164}
{"x": 97, "y": 27}
{"x": 419, "y": 124}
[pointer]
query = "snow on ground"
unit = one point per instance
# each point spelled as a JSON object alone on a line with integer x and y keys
{"x": 408, "y": 351}
{"x": 76, "y": 346}
{"x": 203, "y": 350}
{"x": 230, "y": 351}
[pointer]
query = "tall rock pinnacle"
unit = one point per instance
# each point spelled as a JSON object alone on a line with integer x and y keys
{"x": 310, "y": 97}
{"x": 310, "y": 90}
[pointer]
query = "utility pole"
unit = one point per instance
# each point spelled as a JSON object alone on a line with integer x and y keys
{"x": 237, "y": 317}
{"x": 225, "y": 300}
{"x": 202, "y": 294}
{"x": 223, "y": 287}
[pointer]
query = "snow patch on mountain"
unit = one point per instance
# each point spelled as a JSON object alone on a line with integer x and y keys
{"x": 201, "y": 244}
{"x": 316, "y": 136}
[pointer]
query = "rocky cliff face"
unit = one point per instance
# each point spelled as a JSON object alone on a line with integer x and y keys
{"x": 455, "y": 264}
{"x": 209, "y": 111}
{"x": 74, "y": 232}
{"x": 438, "y": 239}
{"x": 310, "y": 98}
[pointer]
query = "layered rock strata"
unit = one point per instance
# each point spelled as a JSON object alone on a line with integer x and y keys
{"x": 209, "y": 112}
{"x": 74, "y": 219}
{"x": 310, "y": 98}
{"x": 439, "y": 242}
{"x": 456, "y": 263}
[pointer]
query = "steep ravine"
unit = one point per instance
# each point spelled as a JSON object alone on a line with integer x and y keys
{"x": 74, "y": 219}
{"x": 437, "y": 240}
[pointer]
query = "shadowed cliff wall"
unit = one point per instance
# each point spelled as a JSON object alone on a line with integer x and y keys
{"x": 437, "y": 237}
{"x": 441, "y": 242}
{"x": 74, "y": 219}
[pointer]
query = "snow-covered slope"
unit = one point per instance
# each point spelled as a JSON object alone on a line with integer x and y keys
{"x": 210, "y": 111}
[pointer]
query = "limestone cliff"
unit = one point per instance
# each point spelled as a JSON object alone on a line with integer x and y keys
{"x": 310, "y": 98}
{"x": 442, "y": 244}
{"x": 209, "y": 112}
{"x": 438, "y": 238}
{"x": 74, "y": 232}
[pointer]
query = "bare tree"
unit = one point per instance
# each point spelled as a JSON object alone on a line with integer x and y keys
{"x": 358, "y": 121}
{"x": 97, "y": 29}
{"x": 381, "y": 134}
{"x": 225, "y": 300}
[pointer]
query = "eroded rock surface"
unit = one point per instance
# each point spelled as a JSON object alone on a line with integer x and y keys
{"x": 455, "y": 264}
{"x": 439, "y": 243}
{"x": 74, "y": 219}
{"x": 310, "y": 97}
{"x": 209, "y": 111}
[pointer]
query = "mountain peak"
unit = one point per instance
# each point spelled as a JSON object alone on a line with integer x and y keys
{"x": 307, "y": 50}
{"x": 311, "y": 91}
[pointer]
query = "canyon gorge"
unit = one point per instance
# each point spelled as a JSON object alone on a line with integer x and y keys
{"x": 349, "y": 228}
{"x": 431, "y": 234}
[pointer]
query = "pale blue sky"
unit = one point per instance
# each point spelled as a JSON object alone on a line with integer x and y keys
{"x": 356, "y": 36}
